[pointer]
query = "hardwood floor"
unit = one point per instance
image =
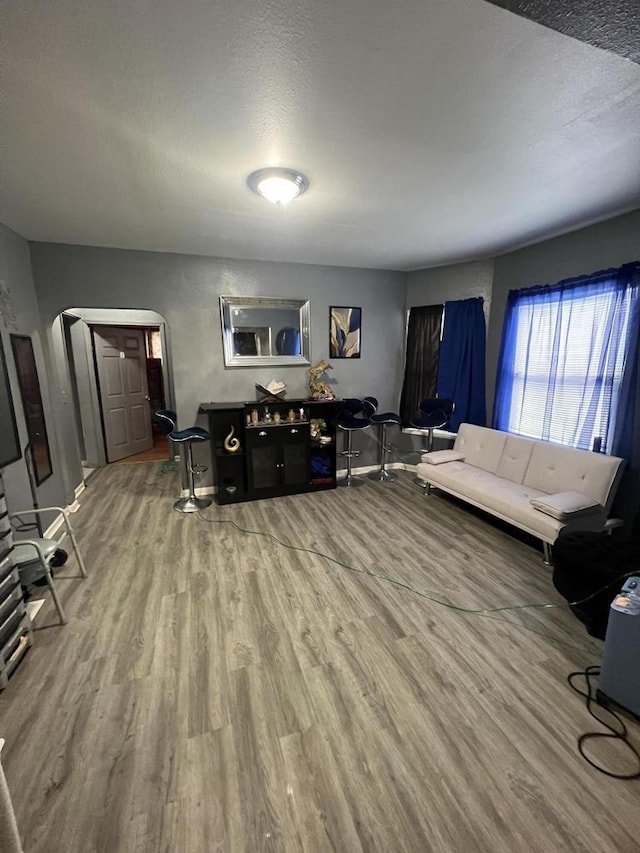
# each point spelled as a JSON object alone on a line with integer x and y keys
{"x": 214, "y": 691}
{"x": 159, "y": 452}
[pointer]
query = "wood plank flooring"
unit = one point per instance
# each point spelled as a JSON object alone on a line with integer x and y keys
{"x": 159, "y": 452}
{"x": 214, "y": 691}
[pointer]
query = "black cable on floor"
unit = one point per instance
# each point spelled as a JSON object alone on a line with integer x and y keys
{"x": 484, "y": 611}
{"x": 587, "y": 674}
{"x": 621, "y": 734}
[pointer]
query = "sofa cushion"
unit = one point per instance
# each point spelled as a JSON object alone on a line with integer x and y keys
{"x": 481, "y": 447}
{"x": 439, "y": 457}
{"x": 493, "y": 494}
{"x": 508, "y": 500}
{"x": 563, "y": 505}
{"x": 512, "y": 501}
{"x": 458, "y": 476}
{"x": 553, "y": 468}
{"x": 515, "y": 458}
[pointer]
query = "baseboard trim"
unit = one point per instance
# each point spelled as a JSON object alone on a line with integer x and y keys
{"x": 202, "y": 491}
{"x": 54, "y": 527}
{"x": 365, "y": 469}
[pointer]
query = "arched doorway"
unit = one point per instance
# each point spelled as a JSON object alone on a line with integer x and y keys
{"x": 119, "y": 372}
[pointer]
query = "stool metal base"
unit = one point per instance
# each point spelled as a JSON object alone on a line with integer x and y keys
{"x": 382, "y": 476}
{"x": 350, "y": 482}
{"x": 192, "y": 504}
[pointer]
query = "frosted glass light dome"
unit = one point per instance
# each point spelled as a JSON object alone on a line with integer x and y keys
{"x": 279, "y": 186}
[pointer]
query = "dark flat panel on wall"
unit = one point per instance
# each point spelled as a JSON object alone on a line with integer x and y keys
{"x": 9, "y": 445}
{"x": 613, "y": 26}
{"x": 32, "y": 404}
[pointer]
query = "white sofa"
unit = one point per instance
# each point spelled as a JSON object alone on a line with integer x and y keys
{"x": 503, "y": 473}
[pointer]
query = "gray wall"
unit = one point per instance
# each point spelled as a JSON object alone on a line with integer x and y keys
{"x": 185, "y": 289}
{"x": 75, "y": 377}
{"x": 87, "y": 412}
{"x": 15, "y": 272}
{"x": 459, "y": 281}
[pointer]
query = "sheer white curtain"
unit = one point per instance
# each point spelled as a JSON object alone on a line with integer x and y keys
{"x": 564, "y": 353}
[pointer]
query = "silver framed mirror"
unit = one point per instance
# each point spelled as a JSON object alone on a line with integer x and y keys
{"x": 258, "y": 331}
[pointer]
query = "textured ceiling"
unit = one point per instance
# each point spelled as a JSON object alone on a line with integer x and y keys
{"x": 602, "y": 23}
{"x": 431, "y": 130}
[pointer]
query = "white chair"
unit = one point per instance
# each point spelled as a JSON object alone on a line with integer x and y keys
{"x": 37, "y": 555}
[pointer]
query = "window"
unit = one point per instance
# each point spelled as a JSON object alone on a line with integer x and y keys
{"x": 564, "y": 353}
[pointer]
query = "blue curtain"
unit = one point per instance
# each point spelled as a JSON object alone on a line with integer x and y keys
{"x": 461, "y": 368}
{"x": 568, "y": 365}
{"x": 626, "y": 421}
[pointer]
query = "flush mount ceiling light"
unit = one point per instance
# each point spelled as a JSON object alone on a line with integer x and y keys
{"x": 279, "y": 186}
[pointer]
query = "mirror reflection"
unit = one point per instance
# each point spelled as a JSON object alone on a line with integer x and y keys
{"x": 261, "y": 331}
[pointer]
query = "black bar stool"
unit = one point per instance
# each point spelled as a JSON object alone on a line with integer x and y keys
{"x": 434, "y": 414}
{"x": 384, "y": 420}
{"x": 187, "y": 436}
{"x": 167, "y": 420}
{"x": 349, "y": 421}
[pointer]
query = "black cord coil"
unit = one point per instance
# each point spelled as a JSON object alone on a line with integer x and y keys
{"x": 620, "y": 733}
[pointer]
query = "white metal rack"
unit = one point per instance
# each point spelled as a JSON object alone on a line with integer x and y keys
{"x": 15, "y": 625}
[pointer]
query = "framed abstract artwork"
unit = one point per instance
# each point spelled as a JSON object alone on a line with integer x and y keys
{"x": 344, "y": 332}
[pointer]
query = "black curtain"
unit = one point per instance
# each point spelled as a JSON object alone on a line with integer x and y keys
{"x": 421, "y": 364}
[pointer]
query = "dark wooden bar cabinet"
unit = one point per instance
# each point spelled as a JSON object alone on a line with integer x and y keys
{"x": 268, "y": 449}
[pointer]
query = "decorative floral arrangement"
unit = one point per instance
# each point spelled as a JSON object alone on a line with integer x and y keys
{"x": 316, "y": 427}
{"x": 318, "y": 389}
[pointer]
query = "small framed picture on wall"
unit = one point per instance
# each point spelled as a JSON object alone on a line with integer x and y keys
{"x": 344, "y": 332}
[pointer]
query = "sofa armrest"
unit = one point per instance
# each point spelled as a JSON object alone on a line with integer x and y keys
{"x": 566, "y": 505}
{"x": 439, "y": 457}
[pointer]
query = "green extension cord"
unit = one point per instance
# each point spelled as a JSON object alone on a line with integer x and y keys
{"x": 485, "y": 611}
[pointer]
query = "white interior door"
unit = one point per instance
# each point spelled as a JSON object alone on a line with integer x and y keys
{"x": 124, "y": 394}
